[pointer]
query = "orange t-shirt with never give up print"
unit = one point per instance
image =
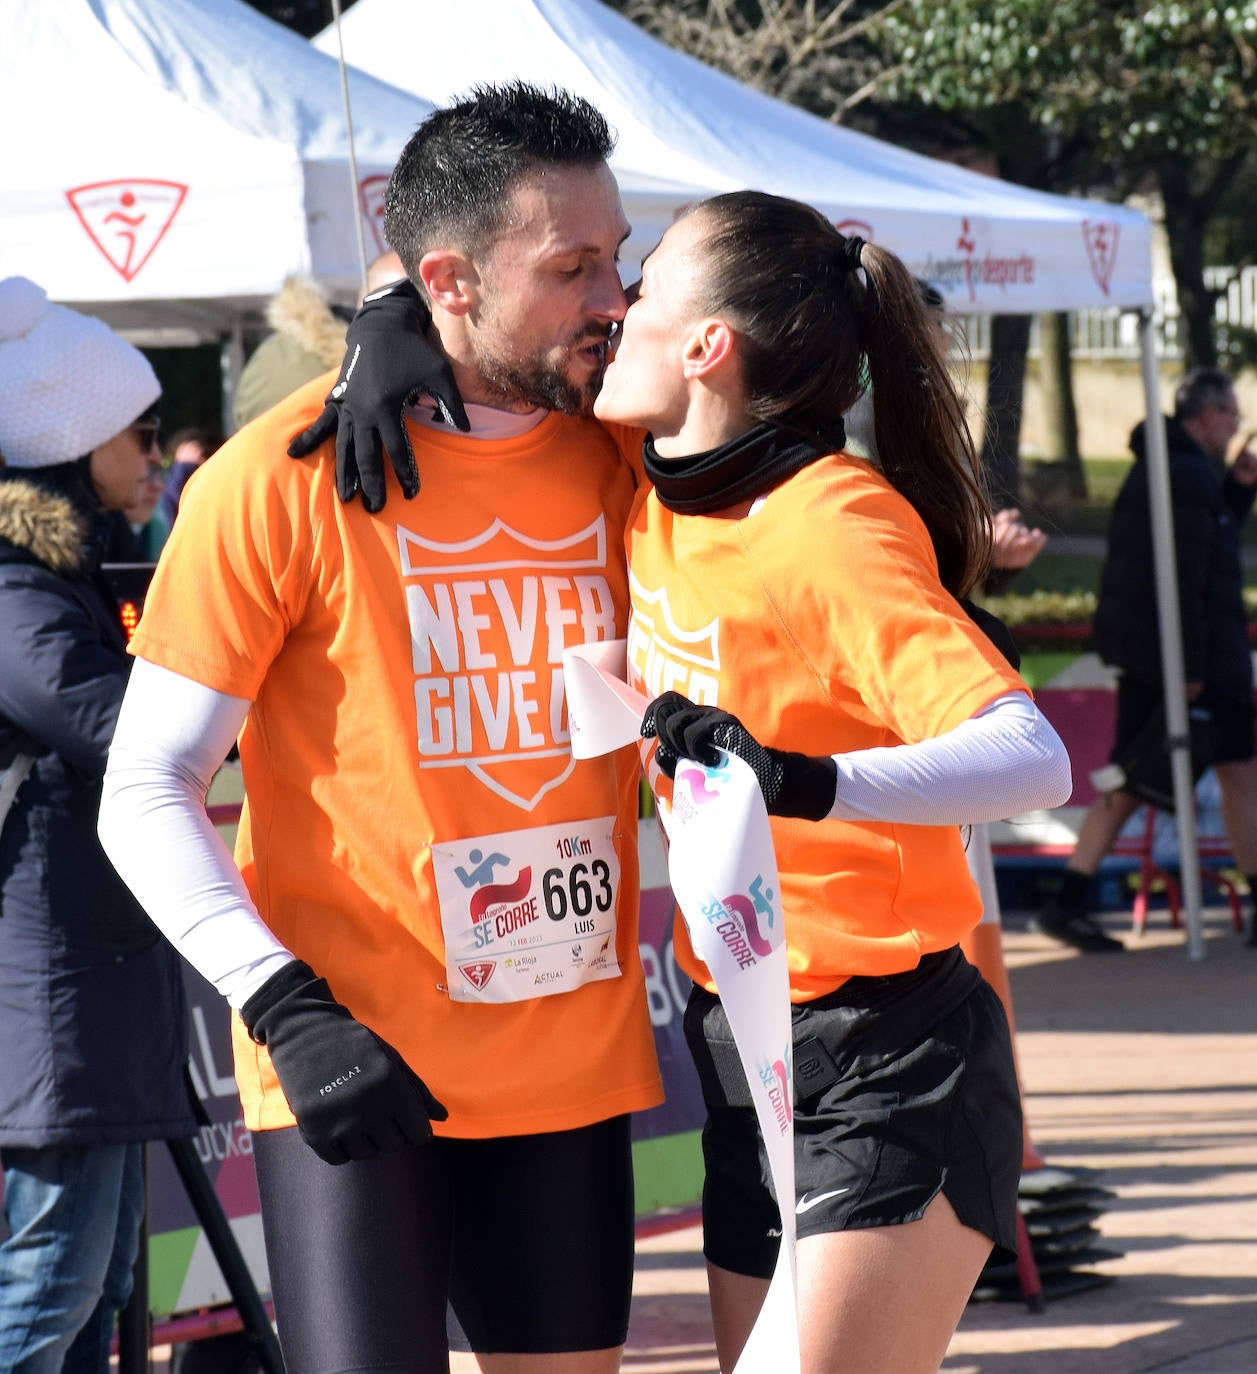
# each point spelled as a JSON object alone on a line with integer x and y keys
{"x": 816, "y": 616}
{"x": 415, "y": 826}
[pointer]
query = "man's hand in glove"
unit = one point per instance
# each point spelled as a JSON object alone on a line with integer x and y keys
{"x": 388, "y": 362}
{"x": 793, "y": 784}
{"x": 353, "y": 1095}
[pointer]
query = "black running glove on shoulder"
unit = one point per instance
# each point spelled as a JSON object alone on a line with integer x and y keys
{"x": 352, "y": 1094}
{"x": 798, "y": 785}
{"x": 388, "y": 362}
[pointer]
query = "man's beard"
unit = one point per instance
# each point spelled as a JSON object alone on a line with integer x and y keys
{"x": 535, "y": 381}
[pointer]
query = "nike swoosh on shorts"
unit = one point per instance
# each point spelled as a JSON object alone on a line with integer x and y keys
{"x": 808, "y": 1201}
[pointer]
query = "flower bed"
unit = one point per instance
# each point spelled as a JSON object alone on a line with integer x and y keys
{"x": 1056, "y": 620}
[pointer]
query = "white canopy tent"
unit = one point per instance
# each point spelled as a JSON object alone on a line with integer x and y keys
{"x": 987, "y": 245}
{"x": 167, "y": 163}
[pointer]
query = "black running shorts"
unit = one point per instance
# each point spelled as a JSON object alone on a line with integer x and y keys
{"x": 1140, "y": 706}
{"x": 522, "y": 1244}
{"x": 905, "y": 1087}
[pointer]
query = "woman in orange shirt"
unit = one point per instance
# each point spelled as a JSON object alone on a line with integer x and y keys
{"x": 806, "y": 605}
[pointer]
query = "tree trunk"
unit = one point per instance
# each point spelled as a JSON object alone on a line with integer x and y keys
{"x": 1060, "y": 415}
{"x": 1185, "y": 230}
{"x": 1006, "y": 379}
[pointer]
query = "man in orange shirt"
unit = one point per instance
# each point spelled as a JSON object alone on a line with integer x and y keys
{"x": 430, "y": 936}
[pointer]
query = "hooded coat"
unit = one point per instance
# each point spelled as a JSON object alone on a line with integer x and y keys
{"x": 308, "y": 339}
{"x": 1209, "y": 507}
{"x": 92, "y": 1009}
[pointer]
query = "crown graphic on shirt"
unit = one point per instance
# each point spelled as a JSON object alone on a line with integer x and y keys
{"x": 653, "y": 620}
{"x": 499, "y": 548}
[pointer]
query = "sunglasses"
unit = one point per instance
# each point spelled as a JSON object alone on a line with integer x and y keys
{"x": 149, "y": 433}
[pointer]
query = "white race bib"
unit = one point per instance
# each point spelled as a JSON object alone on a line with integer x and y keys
{"x": 528, "y": 913}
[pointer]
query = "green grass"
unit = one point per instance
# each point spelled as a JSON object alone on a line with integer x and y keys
{"x": 1064, "y": 572}
{"x": 1047, "y": 507}
{"x": 1104, "y": 477}
{"x": 1038, "y": 669}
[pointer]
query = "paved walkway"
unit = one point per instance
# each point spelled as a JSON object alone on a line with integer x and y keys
{"x": 1141, "y": 1067}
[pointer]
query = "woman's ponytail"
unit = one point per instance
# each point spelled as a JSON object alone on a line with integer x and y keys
{"x": 923, "y": 442}
{"x": 820, "y": 317}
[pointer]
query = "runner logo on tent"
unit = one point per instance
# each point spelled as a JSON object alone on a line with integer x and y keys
{"x": 967, "y": 245}
{"x": 1100, "y": 236}
{"x": 372, "y": 190}
{"x": 127, "y": 219}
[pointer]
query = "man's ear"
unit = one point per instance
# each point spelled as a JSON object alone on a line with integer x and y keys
{"x": 709, "y": 348}
{"x": 451, "y": 280}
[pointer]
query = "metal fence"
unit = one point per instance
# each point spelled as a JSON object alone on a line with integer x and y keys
{"x": 1113, "y": 333}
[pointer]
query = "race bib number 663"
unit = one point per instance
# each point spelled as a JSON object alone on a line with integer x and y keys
{"x": 528, "y": 913}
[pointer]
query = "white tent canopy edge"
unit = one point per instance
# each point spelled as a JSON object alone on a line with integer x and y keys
{"x": 987, "y": 244}
{"x": 184, "y": 156}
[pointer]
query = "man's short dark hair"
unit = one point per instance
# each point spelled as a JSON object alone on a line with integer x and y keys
{"x": 1205, "y": 386}
{"x": 455, "y": 176}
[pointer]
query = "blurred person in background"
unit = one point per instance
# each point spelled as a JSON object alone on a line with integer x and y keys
{"x": 187, "y": 450}
{"x": 307, "y": 339}
{"x": 92, "y": 1014}
{"x": 1211, "y": 499}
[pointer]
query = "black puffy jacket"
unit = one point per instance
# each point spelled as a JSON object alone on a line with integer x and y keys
{"x": 92, "y": 1011}
{"x": 1209, "y": 507}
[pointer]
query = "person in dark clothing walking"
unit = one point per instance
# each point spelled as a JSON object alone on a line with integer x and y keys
{"x": 92, "y": 1013}
{"x": 1211, "y": 500}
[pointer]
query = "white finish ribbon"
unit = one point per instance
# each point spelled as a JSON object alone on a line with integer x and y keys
{"x": 723, "y": 873}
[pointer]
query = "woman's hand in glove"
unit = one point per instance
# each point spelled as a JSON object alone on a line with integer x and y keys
{"x": 388, "y": 362}
{"x": 793, "y": 784}
{"x": 352, "y": 1094}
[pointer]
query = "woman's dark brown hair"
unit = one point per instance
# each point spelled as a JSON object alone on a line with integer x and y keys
{"x": 816, "y": 325}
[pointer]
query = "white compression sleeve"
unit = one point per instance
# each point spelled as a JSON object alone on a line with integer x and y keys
{"x": 1005, "y": 760}
{"x": 172, "y": 736}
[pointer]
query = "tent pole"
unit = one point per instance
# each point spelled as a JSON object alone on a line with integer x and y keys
{"x": 1172, "y": 668}
{"x": 353, "y": 157}
{"x": 230, "y": 365}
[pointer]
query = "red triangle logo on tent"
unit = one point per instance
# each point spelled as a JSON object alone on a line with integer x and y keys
{"x": 126, "y": 219}
{"x": 848, "y": 227}
{"x": 478, "y": 974}
{"x": 1100, "y": 236}
{"x": 371, "y": 191}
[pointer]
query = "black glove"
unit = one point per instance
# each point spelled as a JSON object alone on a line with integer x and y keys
{"x": 388, "y": 362}
{"x": 353, "y": 1095}
{"x": 793, "y": 784}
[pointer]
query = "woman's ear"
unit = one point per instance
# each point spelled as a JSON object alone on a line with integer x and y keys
{"x": 450, "y": 279}
{"x": 709, "y": 347}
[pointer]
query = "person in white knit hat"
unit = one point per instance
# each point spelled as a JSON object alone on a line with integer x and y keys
{"x": 92, "y": 1013}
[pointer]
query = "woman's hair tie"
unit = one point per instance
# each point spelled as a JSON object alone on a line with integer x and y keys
{"x": 850, "y": 252}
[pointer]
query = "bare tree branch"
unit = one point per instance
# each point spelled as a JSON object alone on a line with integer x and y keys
{"x": 811, "y": 53}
